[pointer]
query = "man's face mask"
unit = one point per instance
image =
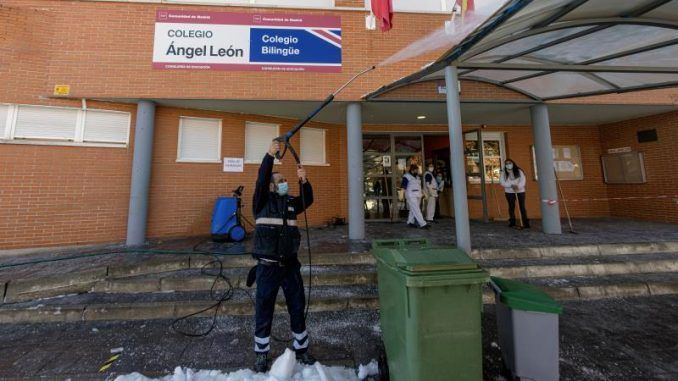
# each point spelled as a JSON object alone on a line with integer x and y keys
{"x": 282, "y": 188}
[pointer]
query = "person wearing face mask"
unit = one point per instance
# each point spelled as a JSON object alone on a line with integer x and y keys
{"x": 513, "y": 180}
{"x": 430, "y": 193}
{"x": 441, "y": 187}
{"x": 276, "y": 242}
{"x": 412, "y": 184}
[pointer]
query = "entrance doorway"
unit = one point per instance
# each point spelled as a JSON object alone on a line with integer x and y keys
{"x": 386, "y": 158}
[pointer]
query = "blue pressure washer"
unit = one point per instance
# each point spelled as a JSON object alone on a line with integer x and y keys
{"x": 227, "y": 218}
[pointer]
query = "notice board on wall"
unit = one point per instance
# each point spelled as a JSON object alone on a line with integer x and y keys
{"x": 566, "y": 161}
{"x": 624, "y": 168}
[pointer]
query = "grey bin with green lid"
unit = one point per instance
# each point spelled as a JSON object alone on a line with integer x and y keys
{"x": 430, "y": 305}
{"x": 527, "y": 324}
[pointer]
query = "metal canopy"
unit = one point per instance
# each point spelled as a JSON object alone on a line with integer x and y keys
{"x": 555, "y": 49}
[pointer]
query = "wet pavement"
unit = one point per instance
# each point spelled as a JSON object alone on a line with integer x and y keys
{"x": 613, "y": 339}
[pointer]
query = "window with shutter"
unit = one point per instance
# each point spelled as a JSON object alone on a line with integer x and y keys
{"x": 4, "y": 126}
{"x": 40, "y": 122}
{"x": 106, "y": 126}
{"x": 199, "y": 140}
{"x": 258, "y": 137}
{"x": 313, "y": 146}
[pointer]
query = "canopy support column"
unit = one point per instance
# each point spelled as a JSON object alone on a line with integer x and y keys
{"x": 548, "y": 190}
{"x": 141, "y": 173}
{"x": 354, "y": 135}
{"x": 461, "y": 221}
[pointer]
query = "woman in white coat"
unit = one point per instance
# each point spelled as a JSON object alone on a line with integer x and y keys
{"x": 513, "y": 181}
{"x": 412, "y": 184}
{"x": 430, "y": 193}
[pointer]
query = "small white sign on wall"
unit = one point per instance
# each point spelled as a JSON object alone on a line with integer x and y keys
{"x": 386, "y": 161}
{"x": 233, "y": 164}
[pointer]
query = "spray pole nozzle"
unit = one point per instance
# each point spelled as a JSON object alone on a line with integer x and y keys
{"x": 353, "y": 79}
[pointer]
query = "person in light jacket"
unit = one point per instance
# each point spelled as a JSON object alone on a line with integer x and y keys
{"x": 430, "y": 193}
{"x": 513, "y": 181}
{"x": 412, "y": 184}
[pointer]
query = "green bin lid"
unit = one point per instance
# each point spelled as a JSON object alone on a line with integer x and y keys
{"x": 416, "y": 256}
{"x": 525, "y": 297}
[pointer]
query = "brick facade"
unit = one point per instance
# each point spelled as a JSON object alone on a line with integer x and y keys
{"x": 660, "y": 159}
{"x": 61, "y": 195}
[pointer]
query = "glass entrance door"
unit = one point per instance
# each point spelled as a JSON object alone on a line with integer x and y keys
{"x": 386, "y": 158}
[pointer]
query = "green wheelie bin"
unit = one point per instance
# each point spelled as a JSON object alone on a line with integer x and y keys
{"x": 430, "y": 304}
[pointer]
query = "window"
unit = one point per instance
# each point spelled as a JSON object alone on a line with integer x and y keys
{"x": 4, "y": 120}
{"x": 493, "y": 156}
{"x": 313, "y": 146}
{"x": 32, "y": 124}
{"x": 38, "y": 122}
{"x": 106, "y": 126}
{"x": 199, "y": 140}
{"x": 258, "y": 137}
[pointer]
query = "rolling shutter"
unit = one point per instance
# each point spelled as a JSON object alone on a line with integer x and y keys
{"x": 199, "y": 140}
{"x": 39, "y": 122}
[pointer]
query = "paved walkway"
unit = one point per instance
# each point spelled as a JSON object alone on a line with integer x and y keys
{"x": 617, "y": 339}
{"x": 593, "y": 231}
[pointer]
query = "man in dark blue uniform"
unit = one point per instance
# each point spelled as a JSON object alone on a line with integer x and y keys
{"x": 276, "y": 242}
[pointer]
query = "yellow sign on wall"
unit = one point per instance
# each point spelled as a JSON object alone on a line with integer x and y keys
{"x": 62, "y": 89}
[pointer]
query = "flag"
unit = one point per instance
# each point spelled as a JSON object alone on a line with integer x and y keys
{"x": 466, "y": 5}
{"x": 383, "y": 11}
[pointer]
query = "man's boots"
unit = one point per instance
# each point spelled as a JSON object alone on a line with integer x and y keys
{"x": 305, "y": 358}
{"x": 261, "y": 363}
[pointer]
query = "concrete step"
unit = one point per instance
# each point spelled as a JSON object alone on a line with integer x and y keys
{"x": 184, "y": 280}
{"x": 96, "y": 307}
{"x": 93, "y": 306}
{"x": 165, "y": 275}
{"x": 575, "y": 251}
{"x": 602, "y": 287}
{"x": 584, "y": 266}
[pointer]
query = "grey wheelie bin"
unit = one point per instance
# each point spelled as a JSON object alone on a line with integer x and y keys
{"x": 430, "y": 305}
{"x": 527, "y": 321}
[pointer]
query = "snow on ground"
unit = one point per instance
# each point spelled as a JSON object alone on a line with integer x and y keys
{"x": 284, "y": 368}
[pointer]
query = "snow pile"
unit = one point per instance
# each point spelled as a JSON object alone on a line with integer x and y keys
{"x": 371, "y": 369}
{"x": 284, "y": 368}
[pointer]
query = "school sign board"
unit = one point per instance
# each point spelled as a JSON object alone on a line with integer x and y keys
{"x": 246, "y": 41}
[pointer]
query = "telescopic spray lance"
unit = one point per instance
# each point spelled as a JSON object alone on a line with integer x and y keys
{"x": 285, "y": 139}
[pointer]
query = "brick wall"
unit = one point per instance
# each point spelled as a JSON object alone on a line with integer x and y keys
{"x": 106, "y": 51}
{"x": 58, "y": 195}
{"x": 183, "y": 194}
{"x": 55, "y": 195}
{"x": 660, "y": 163}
